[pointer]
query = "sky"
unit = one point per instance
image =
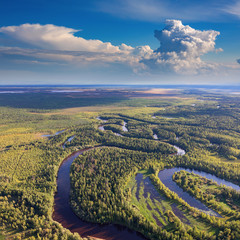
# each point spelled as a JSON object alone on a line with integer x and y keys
{"x": 120, "y": 42}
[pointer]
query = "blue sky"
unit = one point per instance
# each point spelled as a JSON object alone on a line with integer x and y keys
{"x": 45, "y": 42}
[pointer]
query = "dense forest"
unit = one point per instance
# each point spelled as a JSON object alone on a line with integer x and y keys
{"x": 116, "y": 181}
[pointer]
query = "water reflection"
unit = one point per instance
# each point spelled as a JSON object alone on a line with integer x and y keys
{"x": 166, "y": 177}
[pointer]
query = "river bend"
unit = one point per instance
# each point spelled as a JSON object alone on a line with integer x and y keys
{"x": 64, "y": 214}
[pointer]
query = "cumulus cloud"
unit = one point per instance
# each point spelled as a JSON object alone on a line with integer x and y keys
{"x": 181, "y": 48}
{"x": 56, "y": 38}
{"x": 180, "y": 51}
{"x": 176, "y": 37}
{"x": 59, "y": 44}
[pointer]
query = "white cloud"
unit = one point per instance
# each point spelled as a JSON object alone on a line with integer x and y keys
{"x": 158, "y": 10}
{"x": 79, "y": 59}
{"x": 56, "y": 38}
{"x": 176, "y": 37}
{"x": 233, "y": 9}
{"x": 180, "y": 51}
{"x": 59, "y": 44}
{"x": 181, "y": 48}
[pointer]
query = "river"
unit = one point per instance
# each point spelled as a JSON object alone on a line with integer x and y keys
{"x": 124, "y": 128}
{"x": 64, "y": 214}
{"x": 68, "y": 140}
{"x": 55, "y": 134}
{"x": 166, "y": 177}
{"x": 180, "y": 152}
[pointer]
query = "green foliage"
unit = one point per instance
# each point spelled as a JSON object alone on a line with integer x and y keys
{"x": 223, "y": 199}
{"x": 103, "y": 188}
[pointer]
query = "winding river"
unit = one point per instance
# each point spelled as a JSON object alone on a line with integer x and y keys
{"x": 101, "y": 127}
{"x": 168, "y": 173}
{"x": 103, "y": 120}
{"x": 166, "y": 177}
{"x": 64, "y": 214}
{"x": 68, "y": 140}
{"x": 180, "y": 152}
{"x": 55, "y": 134}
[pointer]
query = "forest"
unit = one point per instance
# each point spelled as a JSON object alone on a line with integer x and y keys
{"x": 124, "y": 146}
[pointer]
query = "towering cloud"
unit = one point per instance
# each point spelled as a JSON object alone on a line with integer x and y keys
{"x": 181, "y": 48}
{"x": 176, "y": 37}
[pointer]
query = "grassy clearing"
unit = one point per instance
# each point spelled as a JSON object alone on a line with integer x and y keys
{"x": 18, "y": 139}
{"x": 154, "y": 209}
